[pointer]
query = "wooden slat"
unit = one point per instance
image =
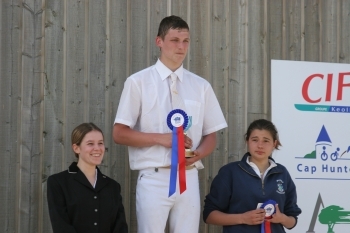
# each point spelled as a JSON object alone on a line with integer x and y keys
{"x": 138, "y": 61}
{"x": 157, "y": 11}
{"x": 219, "y": 62}
{"x": 258, "y": 40}
{"x": 138, "y": 35}
{"x": 344, "y": 29}
{"x": 293, "y": 30}
{"x": 117, "y": 155}
{"x": 10, "y": 14}
{"x": 96, "y": 85}
{"x": 330, "y": 33}
{"x": 54, "y": 96}
{"x": 75, "y": 75}
{"x": 31, "y": 118}
{"x": 312, "y": 31}
{"x": 199, "y": 63}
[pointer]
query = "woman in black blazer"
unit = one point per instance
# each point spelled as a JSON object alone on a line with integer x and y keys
{"x": 82, "y": 199}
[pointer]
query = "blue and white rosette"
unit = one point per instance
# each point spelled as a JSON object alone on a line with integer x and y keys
{"x": 270, "y": 209}
{"x": 177, "y": 121}
{"x": 177, "y": 118}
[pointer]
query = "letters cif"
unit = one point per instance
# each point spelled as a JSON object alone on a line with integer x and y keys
{"x": 329, "y": 82}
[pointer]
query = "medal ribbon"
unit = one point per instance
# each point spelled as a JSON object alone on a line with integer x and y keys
{"x": 177, "y": 161}
{"x": 181, "y": 159}
{"x": 266, "y": 226}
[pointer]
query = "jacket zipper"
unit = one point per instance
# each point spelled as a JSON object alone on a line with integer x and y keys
{"x": 262, "y": 180}
{"x": 263, "y": 183}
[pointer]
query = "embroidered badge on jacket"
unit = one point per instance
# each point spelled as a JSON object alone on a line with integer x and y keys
{"x": 280, "y": 188}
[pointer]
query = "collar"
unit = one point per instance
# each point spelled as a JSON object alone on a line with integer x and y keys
{"x": 271, "y": 161}
{"x": 246, "y": 156}
{"x": 73, "y": 168}
{"x": 256, "y": 169}
{"x": 164, "y": 72}
{"x": 244, "y": 165}
{"x": 101, "y": 180}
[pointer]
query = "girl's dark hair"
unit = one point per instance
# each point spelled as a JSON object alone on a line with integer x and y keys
{"x": 171, "y": 22}
{"x": 80, "y": 131}
{"x": 263, "y": 124}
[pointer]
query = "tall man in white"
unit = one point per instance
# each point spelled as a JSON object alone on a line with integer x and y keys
{"x": 141, "y": 124}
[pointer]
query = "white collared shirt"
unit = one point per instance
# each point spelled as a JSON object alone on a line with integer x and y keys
{"x": 256, "y": 169}
{"x": 146, "y": 102}
{"x": 95, "y": 178}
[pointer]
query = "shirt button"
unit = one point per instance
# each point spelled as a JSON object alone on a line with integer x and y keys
{"x": 95, "y": 223}
{"x": 96, "y": 210}
{"x": 95, "y": 197}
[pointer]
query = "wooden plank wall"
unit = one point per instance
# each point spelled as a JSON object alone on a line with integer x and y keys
{"x": 64, "y": 62}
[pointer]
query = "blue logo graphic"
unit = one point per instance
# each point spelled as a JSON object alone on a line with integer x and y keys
{"x": 327, "y": 162}
{"x": 177, "y": 120}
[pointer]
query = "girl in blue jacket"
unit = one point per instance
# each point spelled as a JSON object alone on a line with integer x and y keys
{"x": 240, "y": 186}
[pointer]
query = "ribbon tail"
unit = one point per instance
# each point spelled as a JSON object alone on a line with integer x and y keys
{"x": 174, "y": 163}
{"x": 269, "y": 207}
{"x": 262, "y": 228}
{"x": 267, "y": 227}
{"x": 182, "y": 159}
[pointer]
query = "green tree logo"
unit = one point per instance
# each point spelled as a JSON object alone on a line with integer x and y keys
{"x": 332, "y": 215}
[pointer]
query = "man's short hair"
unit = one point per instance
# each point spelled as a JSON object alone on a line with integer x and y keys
{"x": 171, "y": 22}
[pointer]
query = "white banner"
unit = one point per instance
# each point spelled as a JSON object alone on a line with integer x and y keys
{"x": 311, "y": 110}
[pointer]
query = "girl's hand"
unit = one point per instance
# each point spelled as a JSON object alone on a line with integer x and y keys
{"x": 277, "y": 217}
{"x": 253, "y": 217}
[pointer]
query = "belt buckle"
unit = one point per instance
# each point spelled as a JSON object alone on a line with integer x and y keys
{"x": 189, "y": 167}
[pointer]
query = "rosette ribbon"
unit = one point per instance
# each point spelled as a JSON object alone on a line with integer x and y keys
{"x": 178, "y": 161}
{"x": 270, "y": 209}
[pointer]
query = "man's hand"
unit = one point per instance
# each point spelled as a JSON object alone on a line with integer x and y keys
{"x": 188, "y": 142}
{"x": 164, "y": 139}
{"x": 192, "y": 160}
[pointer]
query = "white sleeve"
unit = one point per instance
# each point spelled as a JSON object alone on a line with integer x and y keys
{"x": 214, "y": 119}
{"x": 129, "y": 104}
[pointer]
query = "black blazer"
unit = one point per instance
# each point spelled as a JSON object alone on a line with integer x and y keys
{"x": 76, "y": 207}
